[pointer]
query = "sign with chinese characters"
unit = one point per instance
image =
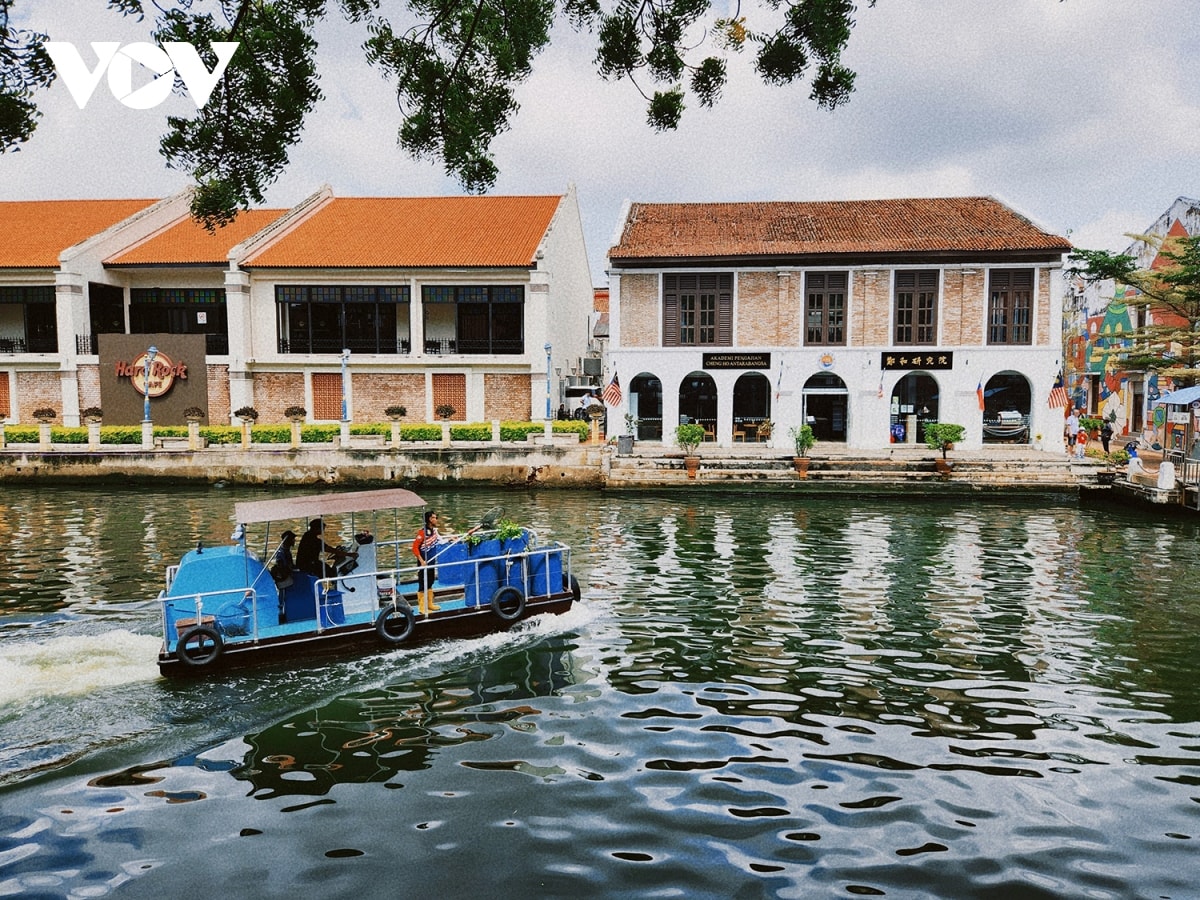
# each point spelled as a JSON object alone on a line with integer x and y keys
{"x": 908, "y": 360}
{"x": 736, "y": 360}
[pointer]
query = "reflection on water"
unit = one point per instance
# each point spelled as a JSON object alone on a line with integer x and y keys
{"x": 758, "y": 697}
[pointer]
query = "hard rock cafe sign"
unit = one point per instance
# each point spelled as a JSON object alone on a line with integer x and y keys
{"x": 163, "y": 373}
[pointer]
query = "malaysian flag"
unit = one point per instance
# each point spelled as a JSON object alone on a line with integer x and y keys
{"x": 979, "y": 395}
{"x": 1058, "y": 393}
{"x": 612, "y": 393}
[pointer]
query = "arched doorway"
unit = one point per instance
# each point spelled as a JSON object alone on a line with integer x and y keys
{"x": 914, "y": 402}
{"x": 825, "y": 404}
{"x": 645, "y": 405}
{"x": 751, "y": 405}
{"x": 698, "y": 402}
{"x": 1007, "y": 404}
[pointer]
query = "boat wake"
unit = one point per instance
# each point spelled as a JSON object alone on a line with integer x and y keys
{"x": 70, "y": 665}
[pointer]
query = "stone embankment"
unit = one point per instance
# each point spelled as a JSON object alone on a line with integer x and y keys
{"x": 903, "y": 470}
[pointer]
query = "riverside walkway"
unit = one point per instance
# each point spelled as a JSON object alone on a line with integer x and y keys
{"x": 898, "y": 469}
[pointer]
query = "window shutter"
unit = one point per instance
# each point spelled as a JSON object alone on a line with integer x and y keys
{"x": 670, "y": 336}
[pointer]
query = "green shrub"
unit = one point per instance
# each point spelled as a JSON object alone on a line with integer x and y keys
{"x": 472, "y": 432}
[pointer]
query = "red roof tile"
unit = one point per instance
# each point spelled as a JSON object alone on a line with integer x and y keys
{"x": 189, "y": 242}
{"x": 948, "y": 224}
{"x": 373, "y": 232}
{"x": 34, "y": 232}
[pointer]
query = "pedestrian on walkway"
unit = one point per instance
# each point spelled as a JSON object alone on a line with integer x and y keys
{"x": 1081, "y": 441}
{"x": 1106, "y": 434}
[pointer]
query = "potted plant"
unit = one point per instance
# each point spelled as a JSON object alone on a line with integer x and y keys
{"x": 296, "y": 416}
{"x": 396, "y": 413}
{"x": 248, "y": 415}
{"x": 625, "y": 441}
{"x": 92, "y": 416}
{"x": 1091, "y": 424}
{"x": 193, "y": 414}
{"x": 943, "y": 436}
{"x": 45, "y": 414}
{"x": 689, "y": 437}
{"x": 803, "y": 439}
{"x": 445, "y": 411}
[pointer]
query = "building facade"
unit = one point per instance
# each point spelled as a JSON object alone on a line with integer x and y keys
{"x": 344, "y": 306}
{"x": 1097, "y": 320}
{"x": 864, "y": 319}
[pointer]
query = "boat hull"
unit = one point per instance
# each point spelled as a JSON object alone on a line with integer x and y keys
{"x": 360, "y": 638}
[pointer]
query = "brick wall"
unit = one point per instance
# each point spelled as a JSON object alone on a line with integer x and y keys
{"x": 640, "y": 311}
{"x": 219, "y": 410}
{"x": 1043, "y": 336}
{"x": 768, "y": 312}
{"x": 870, "y": 315}
{"x": 274, "y": 392}
{"x": 374, "y": 392}
{"x": 88, "y": 380}
{"x": 507, "y": 397}
{"x": 973, "y": 307}
{"x": 35, "y": 390}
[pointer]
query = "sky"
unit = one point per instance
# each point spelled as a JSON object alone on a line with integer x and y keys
{"x": 1083, "y": 115}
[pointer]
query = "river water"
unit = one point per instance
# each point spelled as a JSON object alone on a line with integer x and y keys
{"x": 757, "y": 697}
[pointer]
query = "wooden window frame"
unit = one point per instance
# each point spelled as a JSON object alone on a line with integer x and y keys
{"x": 1010, "y": 307}
{"x": 825, "y": 296}
{"x": 915, "y": 308}
{"x": 697, "y": 309}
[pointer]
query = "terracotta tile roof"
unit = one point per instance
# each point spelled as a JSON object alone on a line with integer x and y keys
{"x": 369, "y": 232}
{"x": 939, "y": 225}
{"x": 34, "y": 232}
{"x": 189, "y": 243}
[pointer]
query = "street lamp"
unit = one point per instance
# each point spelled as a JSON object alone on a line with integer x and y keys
{"x": 150, "y": 354}
{"x": 345, "y": 397}
{"x": 547, "y": 349}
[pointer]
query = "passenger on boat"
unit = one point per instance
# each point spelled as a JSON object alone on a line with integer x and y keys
{"x": 309, "y": 556}
{"x": 423, "y": 548}
{"x": 282, "y": 565}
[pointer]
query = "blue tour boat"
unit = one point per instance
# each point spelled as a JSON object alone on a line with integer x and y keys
{"x": 228, "y": 606}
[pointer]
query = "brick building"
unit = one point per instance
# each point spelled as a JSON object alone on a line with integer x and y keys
{"x": 461, "y": 301}
{"x": 866, "y": 319}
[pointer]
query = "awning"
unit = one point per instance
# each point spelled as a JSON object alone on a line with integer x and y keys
{"x": 312, "y": 506}
{"x": 1181, "y": 397}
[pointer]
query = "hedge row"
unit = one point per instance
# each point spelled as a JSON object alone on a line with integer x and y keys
{"x": 282, "y": 434}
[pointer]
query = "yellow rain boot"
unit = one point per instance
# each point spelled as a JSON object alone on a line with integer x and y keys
{"x": 429, "y": 602}
{"x": 421, "y": 603}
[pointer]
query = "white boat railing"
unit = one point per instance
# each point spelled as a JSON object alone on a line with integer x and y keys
{"x": 219, "y": 600}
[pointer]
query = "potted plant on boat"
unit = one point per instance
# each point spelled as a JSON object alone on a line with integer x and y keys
{"x": 689, "y": 437}
{"x": 943, "y": 436}
{"x": 803, "y": 438}
{"x": 395, "y": 414}
{"x": 296, "y": 416}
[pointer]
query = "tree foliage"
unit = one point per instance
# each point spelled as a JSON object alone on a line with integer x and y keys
{"x": 456, "y": 65}
{"x": 1167, "y": 336}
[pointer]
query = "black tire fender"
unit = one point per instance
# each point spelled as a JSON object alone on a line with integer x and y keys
{"x": 508, "y": 603}
{"x": 201, "y": 655}
{"x": 392, "y": 616}
{"x": 571, "y": 583}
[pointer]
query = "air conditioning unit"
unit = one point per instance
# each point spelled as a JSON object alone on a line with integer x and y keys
{"x": 592, "y": 365}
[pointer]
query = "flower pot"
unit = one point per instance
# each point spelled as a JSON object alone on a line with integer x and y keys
{"x": 692, "y": 464}
{"x": 624, "y": 444}
{"x": 943, "y": 466}
{"x": 801, "y": 464}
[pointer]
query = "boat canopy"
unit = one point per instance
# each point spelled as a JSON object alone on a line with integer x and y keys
{"x": 313, "y": 506}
